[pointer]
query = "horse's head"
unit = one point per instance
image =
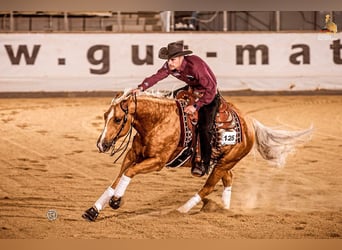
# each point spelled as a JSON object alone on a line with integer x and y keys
{"x": 118, "y": 121}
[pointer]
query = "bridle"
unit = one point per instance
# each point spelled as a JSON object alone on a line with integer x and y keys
{"x": 124, "y": 144}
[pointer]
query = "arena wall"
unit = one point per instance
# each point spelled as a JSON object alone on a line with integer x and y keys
{"x": 102, "y": 62}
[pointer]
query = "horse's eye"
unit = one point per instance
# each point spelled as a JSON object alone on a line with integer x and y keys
{"x": 117, "y": 120}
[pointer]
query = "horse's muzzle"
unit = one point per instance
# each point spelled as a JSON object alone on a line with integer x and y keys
{"x": 103, "y": 147}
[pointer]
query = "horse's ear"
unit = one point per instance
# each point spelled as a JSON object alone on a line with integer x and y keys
{"x": 122, "y": 97}
{"x": 124, "y": 104}
{"x": 118, "y": 94}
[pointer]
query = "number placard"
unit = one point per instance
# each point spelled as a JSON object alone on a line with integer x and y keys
{"x": 228, "y": 138}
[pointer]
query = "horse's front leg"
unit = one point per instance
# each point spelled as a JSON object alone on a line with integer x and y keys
{"x": 92, "y": 213}
{"x": 146, "y": 166}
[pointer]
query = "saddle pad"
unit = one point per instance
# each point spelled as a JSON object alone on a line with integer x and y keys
{"x": 237, "y": 126}
{"x": 230, "y": 134}
{"x": 228, "y": 121}
{"x": 186, "y": 133}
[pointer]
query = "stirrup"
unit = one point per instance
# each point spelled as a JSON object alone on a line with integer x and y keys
{"x": 199, "y": 170}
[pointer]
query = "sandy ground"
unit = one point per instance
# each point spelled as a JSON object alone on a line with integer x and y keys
{"x": 49, "y": 161}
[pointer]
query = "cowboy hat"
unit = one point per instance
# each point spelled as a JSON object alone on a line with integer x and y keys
{"x": 173, "y": 50}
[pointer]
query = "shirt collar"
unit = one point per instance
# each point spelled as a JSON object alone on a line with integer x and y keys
{"x": 182, "y": 67}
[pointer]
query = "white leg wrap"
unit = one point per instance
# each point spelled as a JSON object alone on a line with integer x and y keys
{"x": 122, "y": 185}
{"x": 226, "y": 195}
{"x": 104, "y": 199}
{"x": 190, "y": 204}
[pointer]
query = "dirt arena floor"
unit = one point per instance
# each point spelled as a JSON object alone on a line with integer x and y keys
{"x": 49, "y": 162}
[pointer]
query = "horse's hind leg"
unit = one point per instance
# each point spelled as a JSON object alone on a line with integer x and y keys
{"x": 216, "y": 175}
{"x": 227, "y": 181}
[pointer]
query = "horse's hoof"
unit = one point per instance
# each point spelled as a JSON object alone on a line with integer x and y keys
{"x": 90, "y": 214}
{"x": 115, "y": 204}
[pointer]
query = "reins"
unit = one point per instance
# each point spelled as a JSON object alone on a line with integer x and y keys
{"x": 124, "y": 145}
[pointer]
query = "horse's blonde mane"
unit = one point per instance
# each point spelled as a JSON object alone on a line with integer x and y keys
{"x": 155, "y": 95}
{"x": 123, "y": 97}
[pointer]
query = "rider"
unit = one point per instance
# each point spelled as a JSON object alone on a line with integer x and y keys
{"x": 196, "y": 73}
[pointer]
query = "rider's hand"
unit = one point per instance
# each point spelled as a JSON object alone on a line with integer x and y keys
{"x": 190, "y": 109}
{"x": 136, "y": 90}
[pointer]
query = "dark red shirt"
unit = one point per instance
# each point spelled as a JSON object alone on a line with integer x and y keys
{"x": 194, "y": 72}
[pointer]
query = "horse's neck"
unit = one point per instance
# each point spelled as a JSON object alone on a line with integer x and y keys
{"x": 152, "y": 111}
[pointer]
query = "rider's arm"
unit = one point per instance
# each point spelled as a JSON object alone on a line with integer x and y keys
{"x": 148, "y": 82}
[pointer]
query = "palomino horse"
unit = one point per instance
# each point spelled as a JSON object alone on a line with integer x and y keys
{"x": 157, "y": 123}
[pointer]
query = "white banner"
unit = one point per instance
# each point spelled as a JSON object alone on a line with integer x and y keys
{"x": 90, "y": 62}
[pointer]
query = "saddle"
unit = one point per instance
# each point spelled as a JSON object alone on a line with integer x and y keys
{"x": 227, "y": 130}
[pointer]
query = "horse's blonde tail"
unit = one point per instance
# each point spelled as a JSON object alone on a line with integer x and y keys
{"x": 275, "y": 145}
